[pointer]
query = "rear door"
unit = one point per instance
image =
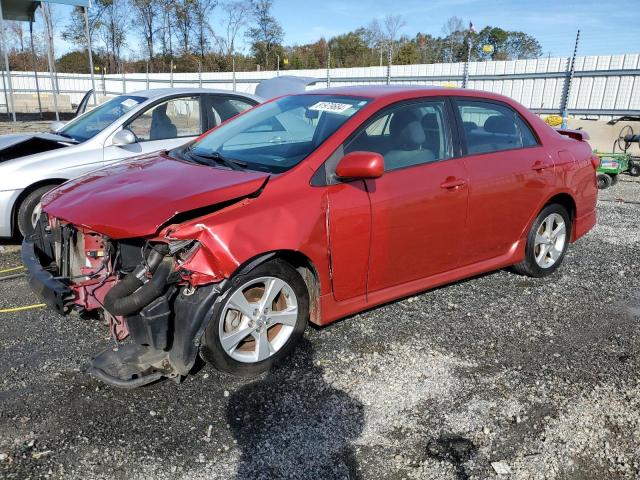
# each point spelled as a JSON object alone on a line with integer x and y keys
{"x": 219, "y": 108}
{"x": 510, "y": 174}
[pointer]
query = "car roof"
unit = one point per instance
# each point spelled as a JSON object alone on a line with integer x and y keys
{"x": 394, "y": 91}
{"x": 153, "y": 93}
{"x": 376, "y": 91}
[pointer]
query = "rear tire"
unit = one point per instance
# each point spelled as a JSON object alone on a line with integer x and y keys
{"x": 547, "y": 242}
{"x": 252, "y": 330}
{"x": 634, "y": 170}
{"x": 27, "y": 211}
{"x": 604, "y": 181}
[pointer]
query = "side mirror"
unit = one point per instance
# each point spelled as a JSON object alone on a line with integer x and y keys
{"x": 360, "y": 165}
{"x": 55, "y": 126}
{"x": 124, "y": 137}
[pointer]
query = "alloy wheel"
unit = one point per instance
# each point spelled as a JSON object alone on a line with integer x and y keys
{"x": 35, "y": 215}
{"x": 550, "y": 240}
{"x": 258, "y": 319}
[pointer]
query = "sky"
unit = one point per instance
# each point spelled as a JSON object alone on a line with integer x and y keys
{"x": 607, "y": 27}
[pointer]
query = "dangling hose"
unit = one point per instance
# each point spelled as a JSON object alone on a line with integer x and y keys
{"x": 131, "y": 294}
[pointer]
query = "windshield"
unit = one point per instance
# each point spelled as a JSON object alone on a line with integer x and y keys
{"x": 278, "y": 135}
{"x": 94, "y": 121}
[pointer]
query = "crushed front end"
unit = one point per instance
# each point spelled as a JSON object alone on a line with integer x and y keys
{"x": 143, "y": 289}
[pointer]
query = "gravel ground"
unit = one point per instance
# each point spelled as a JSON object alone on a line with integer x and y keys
{"x": 26, "y": 126}
{"x": 535, "y": 378}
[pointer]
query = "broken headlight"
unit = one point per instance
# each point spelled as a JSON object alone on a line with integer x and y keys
{"x": 183, "y": 250}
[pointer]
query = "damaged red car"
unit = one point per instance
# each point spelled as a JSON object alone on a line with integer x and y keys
{"x": 310, "y": 207}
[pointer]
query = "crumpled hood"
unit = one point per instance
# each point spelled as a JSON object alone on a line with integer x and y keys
{"x": 21, "y": 145}
{"x": 13, "y": 138}
{"x": 134, "y": 198}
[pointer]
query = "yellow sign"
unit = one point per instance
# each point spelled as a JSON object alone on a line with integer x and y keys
{"x": 285, "y": 61}
{"x": 553, "y": 120}
{"x": 488, "y": 49}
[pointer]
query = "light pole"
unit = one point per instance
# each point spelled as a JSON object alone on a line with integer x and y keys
{"x": 389, "y": 60}
{"x": 465, "y": 78}
{"x": 567, "y": 90}
{"x": 52, "y": 66}
{"x": 6, "y": 66}
{"x": 233, "y": 67}
{"x": 328, "y": 67}
{"x": 93, "y": 80}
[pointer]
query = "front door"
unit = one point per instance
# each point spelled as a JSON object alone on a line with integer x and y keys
{"x": 419, "y": 206}
{"x": 162, "y": 126}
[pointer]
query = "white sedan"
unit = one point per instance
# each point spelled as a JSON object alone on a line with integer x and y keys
{"x": 125, "y": 126}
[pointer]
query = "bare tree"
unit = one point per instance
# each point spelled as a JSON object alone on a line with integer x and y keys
{"x": 183, "y": 11}
{"x": 392, "y": 24}
{"x": 17, "y": 35}
{"x": 236, "y": 15}
{"x": 166, "y": 38}
{"x": 375, "y": 39}
{"x": 146, "y": 21}
{"x": 452, "y": 25}
{"x": 113, "y": 31}
{"x": 201, "y": 26}
{"x": 386, "y": 32}
{"x": 454, "y": 34}
{"x": 383, "y": 35}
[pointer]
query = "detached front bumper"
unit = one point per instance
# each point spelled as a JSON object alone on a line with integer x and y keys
{"x": 165, "y": 333}
{"x": 53, "y": 292}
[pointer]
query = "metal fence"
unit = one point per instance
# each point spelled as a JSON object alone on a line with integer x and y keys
{"x": 602, "y": 86}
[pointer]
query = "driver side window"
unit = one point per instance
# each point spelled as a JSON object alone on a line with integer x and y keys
{"x": 175, "y": 118}
{"x": 407, "y": 135}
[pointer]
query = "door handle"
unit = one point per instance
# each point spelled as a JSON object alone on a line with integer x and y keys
{"x": 453, "y": 183}
{"x": 538, "y": 166}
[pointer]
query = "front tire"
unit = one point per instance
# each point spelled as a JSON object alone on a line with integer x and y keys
{"x": 28, "y": 210}
{"x": 260, "y": 321}
{"x": 547, "y": 242}
{"x": 634, "y": 170}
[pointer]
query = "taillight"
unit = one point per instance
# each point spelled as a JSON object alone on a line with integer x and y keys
{"x": 595, "y": 161}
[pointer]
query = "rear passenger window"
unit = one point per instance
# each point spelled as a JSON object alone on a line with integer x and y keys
{"x": 490, "y": 127}
{"x": 528, "y": 138}
{"x": 406, "y": 135}
{"x": 221, "y": 108}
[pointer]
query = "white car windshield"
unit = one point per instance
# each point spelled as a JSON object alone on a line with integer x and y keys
{"x": 91, "y": 123}
{"x": 278, "y": 135}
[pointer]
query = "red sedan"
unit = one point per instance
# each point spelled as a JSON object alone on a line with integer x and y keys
{"x": 310, "y": 207}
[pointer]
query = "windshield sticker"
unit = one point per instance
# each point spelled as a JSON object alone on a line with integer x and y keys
{"x": 333, "y": 107}
{"x": 129, "y": 103}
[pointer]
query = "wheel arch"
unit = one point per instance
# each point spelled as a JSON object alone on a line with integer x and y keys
{"x": 303, "y": 265}
{"x": 26, "y": 192}
{"x": 561, "y": 198}
{"x": 568, "y": 202}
